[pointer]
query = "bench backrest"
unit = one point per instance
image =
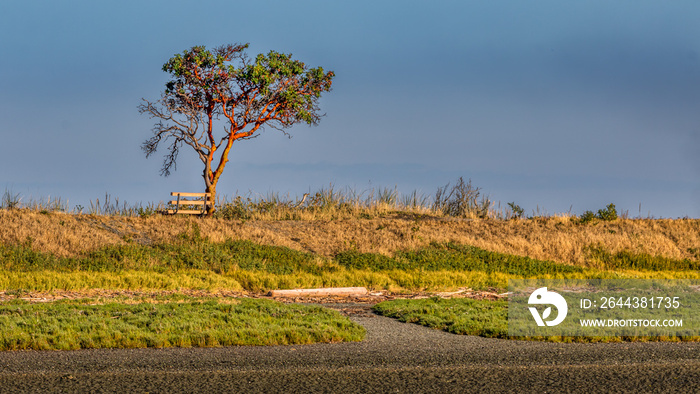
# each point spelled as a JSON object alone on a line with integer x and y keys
{"x": 195, "y": 205}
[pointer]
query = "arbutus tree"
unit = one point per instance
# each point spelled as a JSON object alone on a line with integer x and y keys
{"x": 220, "y": 96}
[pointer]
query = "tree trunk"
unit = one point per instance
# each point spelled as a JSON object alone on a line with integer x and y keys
{"x": 212, "y": 198}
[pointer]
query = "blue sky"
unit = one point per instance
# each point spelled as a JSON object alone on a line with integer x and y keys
{"x": 553, "y": 105}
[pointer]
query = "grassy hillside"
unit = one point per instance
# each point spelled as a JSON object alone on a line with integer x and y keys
{"x": 397, "y": 251}
{"x": 561, "y": 239}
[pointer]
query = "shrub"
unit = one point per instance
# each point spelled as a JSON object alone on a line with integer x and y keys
{"x": 609, "y": 213}
{"x": 587, "y": 217}
{"x": 517, "y": 210}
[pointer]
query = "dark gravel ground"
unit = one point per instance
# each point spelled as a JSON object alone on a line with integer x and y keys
{"x": 395, "y": 357}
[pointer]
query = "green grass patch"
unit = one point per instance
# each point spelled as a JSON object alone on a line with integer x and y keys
{"x": 600, "y": 257}
{"x": 124, "y": 280}
{"x": 454, "y": 257}
{"x": 178, "y": 322}
{"x": 479, "y": 317}
{"x": 458, "y": 316}
{"x": 186, "y": 254}
{"x": 471, "y": 258}
{"x": 193, "y": 262}
{"x": 260, "y": 281}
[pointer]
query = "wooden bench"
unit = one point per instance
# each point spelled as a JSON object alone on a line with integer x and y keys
{"x": 195, "y": 205}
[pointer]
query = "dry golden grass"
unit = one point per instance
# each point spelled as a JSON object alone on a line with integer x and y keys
{"x": 557, "y": 238}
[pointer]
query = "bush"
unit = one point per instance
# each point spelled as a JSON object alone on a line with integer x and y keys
{"x": 238, "y": 209}
{"x": 518, "y": 211}
{"x": 607, "y": 214}
{"x": 587, "y": 217}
